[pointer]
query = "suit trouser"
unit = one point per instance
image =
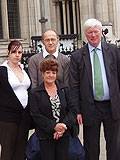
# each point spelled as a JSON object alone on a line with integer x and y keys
{"x": 111, "y": 129}
{"x": 54, "y": 149}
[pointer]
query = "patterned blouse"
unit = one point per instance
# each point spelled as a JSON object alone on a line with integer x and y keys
{"x": 55, "y": 104}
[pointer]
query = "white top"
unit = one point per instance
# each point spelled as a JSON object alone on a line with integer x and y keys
{"x": 45, "y": 53}
{"x": 19, "y": 88}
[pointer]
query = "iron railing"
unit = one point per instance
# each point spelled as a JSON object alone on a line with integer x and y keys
{"x": 68, "y": 43}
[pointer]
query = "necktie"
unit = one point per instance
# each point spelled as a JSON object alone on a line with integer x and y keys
{"x": 50, "y": 56}
{"x": 98, "y": 81}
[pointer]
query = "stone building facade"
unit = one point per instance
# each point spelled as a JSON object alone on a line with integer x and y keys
{"x": 21, "y": 19}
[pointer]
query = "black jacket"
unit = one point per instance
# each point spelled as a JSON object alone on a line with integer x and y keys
{"x": 41, "y": 111}
{"x": 11, "y": 109}
{"x": 82, "y": 85}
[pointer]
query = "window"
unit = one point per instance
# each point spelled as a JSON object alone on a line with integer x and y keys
{"x": 13, "y": 18}
{"x": 69, "y": 16}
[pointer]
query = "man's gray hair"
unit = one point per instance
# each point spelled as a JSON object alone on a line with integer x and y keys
{"x": 92, "y": 22}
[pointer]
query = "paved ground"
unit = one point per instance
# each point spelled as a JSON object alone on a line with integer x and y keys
{"x": 102, "y": 143}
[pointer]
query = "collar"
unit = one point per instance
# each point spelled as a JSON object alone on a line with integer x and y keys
{"x": 5, "y": 63}
{"x": 91, "y": 47}
{"x": 45, "y": 53}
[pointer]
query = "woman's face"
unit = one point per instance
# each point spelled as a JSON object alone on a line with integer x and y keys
{"x": 15, "y": 54}
{"x": 49, "y": 76}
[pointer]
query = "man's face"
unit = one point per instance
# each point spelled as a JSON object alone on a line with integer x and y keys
{"x": 93, "y": 35}
{"x": 50, "y": 40}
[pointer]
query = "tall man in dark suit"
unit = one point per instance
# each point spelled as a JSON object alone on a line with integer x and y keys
{"x": 50, "y": 41}
{"x": 96, "y": 93}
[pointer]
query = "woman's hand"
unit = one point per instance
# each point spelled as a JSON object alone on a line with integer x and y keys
{"x": 57, "y": 135}
{"x": 60, "y": 127}
{"x": 59, "y": 130}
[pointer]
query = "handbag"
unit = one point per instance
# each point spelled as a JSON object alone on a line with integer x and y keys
{"x": 76, "y": 149}
{"x": 33, "y": 148}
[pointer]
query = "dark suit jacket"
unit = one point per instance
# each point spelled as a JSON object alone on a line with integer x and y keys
{"x": 82, "y": 86}
{"x": 41, "y": 111}
{"x": 11, "y": 109}
{"x": 35, "y": 73}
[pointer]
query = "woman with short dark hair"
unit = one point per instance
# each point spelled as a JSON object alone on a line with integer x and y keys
{"x": 52, "y": 112}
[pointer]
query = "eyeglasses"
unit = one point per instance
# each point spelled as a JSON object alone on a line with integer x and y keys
{"x": 47, "y": 40}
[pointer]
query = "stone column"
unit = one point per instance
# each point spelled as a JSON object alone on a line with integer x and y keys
{"x": 68, "y": 17}
{"x": 31, "y": 17}
{"x": 86, "y": 11}
{"x": 4, "y": 14}
{"x": 45, "y": 15}
{"x": 56, "y": 17}
{"x": 48, "y": 13}
{"x": 64, "y": 17}
{"x": 111, "y": 15}
{"x": 34, "y": 14}
{"x": 116, "y": 15}
{"x": 78, "y": 18}
{"x": 23, "y": 14}
{"x": 37, "y": 17}
{"x": 74, "y": 16}
{"x": 101, "y": 10}
{"x": 110, "y": 10}
{"x": 42, "y": 18}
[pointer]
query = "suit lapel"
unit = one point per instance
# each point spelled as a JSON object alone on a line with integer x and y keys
{"x": 86, "y": 57}
{"x": 107, "y": 57}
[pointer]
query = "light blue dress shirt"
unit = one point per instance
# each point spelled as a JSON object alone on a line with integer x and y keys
{"x": 104, "y": 77}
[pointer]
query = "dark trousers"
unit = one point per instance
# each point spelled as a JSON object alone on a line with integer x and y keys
{"x": 54, "y": 149}
{"x": 8, "y": 132}
{"x": 13, "y": 139}
{"x": 21, "y": 141}
{"x": 111, "y": 128}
